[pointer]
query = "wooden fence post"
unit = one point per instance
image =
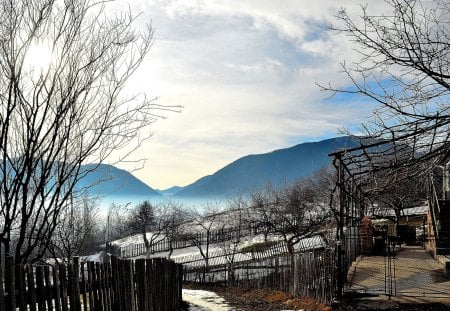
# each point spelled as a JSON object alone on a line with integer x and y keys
{"x": 141, "y": 286}
{"x": 31, "y": 287}
{"x": 56, "y": 288}
{"x": 40, "y": 288}
{"x": 21, "y": 287}
{"x": 115, "y": 284}
{"x": 10, "y": 286}
{"x": 2, "y": 292}
{"x": 48, "y": 288}
{"x": 149, "y": 266}
{"x": 90, "y": 285}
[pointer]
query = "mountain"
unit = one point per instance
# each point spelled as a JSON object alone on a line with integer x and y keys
{"x": 107, "y": 180}
{"x": 254, "y": 171}
{"x": 170, "y": 191}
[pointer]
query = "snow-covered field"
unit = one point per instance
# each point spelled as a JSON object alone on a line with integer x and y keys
{"x": 221, "y": 253}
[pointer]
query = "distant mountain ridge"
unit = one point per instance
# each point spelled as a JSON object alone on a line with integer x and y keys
{"x": 169, "y": 191}
{"x": 110, "y": 181}
{"x": 254, "y": 171}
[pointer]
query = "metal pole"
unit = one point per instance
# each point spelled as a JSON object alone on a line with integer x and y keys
{"x": 340, "y": 267}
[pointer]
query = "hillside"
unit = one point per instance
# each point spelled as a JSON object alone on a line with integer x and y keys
{"x": 253, "y": 171}
{"x": 170, "y": 191}
{"x": 107, "y": 180}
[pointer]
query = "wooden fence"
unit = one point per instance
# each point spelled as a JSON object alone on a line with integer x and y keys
{"x": 308, "y": 274}
{"x": 215, "y": 236}
{"x": 220, "y": 257}
{"x": 122, "y": 285}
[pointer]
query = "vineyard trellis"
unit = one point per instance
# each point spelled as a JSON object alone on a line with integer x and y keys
{"x": 348, "y": 215}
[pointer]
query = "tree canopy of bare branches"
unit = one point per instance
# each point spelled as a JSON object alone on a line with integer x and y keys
{"x": 77, "y": 232}
{"x": 294, "y": 211}
{"x": 57, "y": 117}
{"x": 404, "y": 66}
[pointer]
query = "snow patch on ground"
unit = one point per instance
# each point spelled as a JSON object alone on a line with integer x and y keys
{"x": 137, "y": 239}
{"x": 202, "y": 300}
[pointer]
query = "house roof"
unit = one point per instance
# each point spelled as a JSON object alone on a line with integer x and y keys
{"x": 421, "y": 210}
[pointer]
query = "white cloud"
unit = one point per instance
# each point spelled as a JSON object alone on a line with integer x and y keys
{"x": 245, "y": 73}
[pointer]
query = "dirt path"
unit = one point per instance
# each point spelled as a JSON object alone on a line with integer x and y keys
{"x": 202, "y": 300}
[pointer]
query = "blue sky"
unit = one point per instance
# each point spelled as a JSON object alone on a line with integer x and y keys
{"x": 245, "y": 73}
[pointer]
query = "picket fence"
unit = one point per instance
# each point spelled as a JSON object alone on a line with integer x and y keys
{"x": 122, "y": 285}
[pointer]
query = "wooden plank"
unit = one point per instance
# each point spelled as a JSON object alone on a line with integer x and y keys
{"x": 40, "y": 288}
{"x": 180, "y": 284}
{"x": 159, "y": 282}
{"x": 84, "y": 287}
{"x": 124, "y": 288}
{"x": 31, "y": 287}
{"x": 48, "y": 288}
{"x": 98, "y": 286}
{"x": 21, "y": 288}
{"x": 108, "y": 280}
{"x": 76, "y": 284}
{"x": 89, "y": 267}
{"x": 127, "y": 287}
{"x": 140, "y": 284}
{"x": 10, "y": 286}
{"x": 56, "y": 288}
{"x": 149, "y": 284}
{"x": 165, "y": 286}
{"x": 103, "y": 286}
{"x": 121, "y": 288}
{"x": 116, "y": 306}
{"x": 2, "y": 291}
{"x": 110, "y": 284}
{"x": 70, "y": 286}
{"x": 63, "y": 284}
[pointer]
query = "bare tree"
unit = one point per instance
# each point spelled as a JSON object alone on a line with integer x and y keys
{"x": 294, "y": 211}
{"x": 404, "y": 66}
{"x": 202, "y": 223}
{"x": 392, "y": 198}
{"x": 234, "y": 220}
{"x": 148, "y": 220}
{"x": 76, "y": 232}
{"x": 72, "y": 111}
{"x": 174, "y": 217}
{"x": 115, "y": 226}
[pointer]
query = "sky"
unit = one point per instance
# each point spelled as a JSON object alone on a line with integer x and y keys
{"x": 245, "y": 73}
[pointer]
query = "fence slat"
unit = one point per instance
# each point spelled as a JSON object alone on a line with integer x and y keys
{"x": 150, "y": 284}
{"x": 92, "y": 296}
{"x": 21, "y": 288}
{"x": 140, "y": 284}
{"x": 64, "y": 284}
{"x": 2, "y": 291}
{"x": 98, "y": 289}
{"x": 83, "y": 288}
{"x": 40, "y": 288}
{"x": 56, "y": 288}
{"x": 10, "y": 287}
{"x": 48, "y": 288}
{"x": 76, "y": 283}
{"x": 31, "y": 287}
{"x": 117, "y": 306}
